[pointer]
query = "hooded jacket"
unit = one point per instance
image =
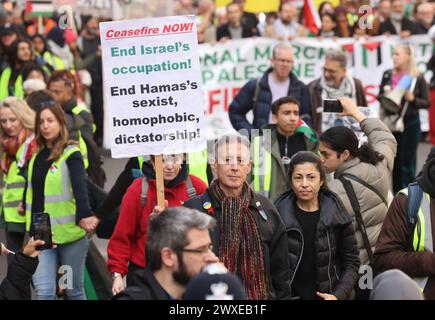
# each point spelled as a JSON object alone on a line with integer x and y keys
{"x": 373, "y": 209}
{"x": 128, "y": 240}
{"x": 394, "y": 246}
{"x": 337, "y": 255}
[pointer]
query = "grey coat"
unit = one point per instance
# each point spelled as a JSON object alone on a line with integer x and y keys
{"x": 373, "y": 209}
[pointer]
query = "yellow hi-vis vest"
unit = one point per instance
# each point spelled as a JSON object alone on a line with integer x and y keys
{"x": 262, "y": 170}
{"x": 53, "y": 60}
{"x": 59, "y": 200}
{"x": 14, "y": 185}
{"x": 422, "y": 238}
{"x": 4, "y": 85}
{"x": 198, "y": 165}
{"x": 82, "y": 144}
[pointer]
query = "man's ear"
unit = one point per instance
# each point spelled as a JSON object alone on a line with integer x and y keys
{"x": 168, "y": 256}
{"x": 274, "y": 118}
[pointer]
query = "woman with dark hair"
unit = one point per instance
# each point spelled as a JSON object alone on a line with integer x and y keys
{"x": 361, "y": 174}
{"x": 329, "y": 26}
{"x": 42, "y": 50}
{"x": 326, "y": 7}
{"x": 11, "y": 81}
{"x": 321, "y": 239}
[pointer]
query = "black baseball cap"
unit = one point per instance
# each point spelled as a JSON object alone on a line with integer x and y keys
{"x": 217, "y": 286}
{"x": 8, "y": 29}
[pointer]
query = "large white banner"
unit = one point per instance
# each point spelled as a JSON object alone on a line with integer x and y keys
{"x": 152, "y": 86}
{"x": 227, "y": 67}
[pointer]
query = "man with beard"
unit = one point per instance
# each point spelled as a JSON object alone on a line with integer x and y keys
{"x": 334, "y": 84}
{"x": 286, "y": 28}
{"x": 397, "y": 23}
{"x": 178, "y": 248}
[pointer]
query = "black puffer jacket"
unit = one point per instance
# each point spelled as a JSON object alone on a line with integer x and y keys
{"x": 16, "y": 285}
{"x": 272, "y": 235}
{"x": 337, "y": 253}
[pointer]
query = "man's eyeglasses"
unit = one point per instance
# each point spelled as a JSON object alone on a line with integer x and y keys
{"x": 202, "y": 250}
{"x": 331, "y": 71}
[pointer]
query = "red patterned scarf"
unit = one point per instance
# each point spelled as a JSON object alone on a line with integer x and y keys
{"x": 240, "y": 242}
{"x": 10, "y": 147}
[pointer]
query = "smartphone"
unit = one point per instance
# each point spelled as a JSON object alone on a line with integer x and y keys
{"x": 41, "y": 230}
{"x": 332, "y": 106}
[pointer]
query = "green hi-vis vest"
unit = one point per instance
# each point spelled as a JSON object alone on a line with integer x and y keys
{"x": 198, "y": 165}
{"x": 262, "y": 170}
{"x": 59, "y": 200}
{"x": 14, "y": 185}
{"x": 53, "y": 60}
{"x": 4, "y": 85}
{"x": 82, "y": 144}
{"x": 422, "y": 236}
{"x": 81, "y": 108}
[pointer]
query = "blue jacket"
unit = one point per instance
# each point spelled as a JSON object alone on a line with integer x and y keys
{"x": 243, "y": 102}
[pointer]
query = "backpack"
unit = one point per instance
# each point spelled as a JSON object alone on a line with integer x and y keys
{"x": 95, "y": 170}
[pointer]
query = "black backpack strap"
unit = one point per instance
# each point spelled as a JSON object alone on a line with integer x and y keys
{"x": 144, "y": 192}
{"x": 191, "y": 191}
{"x": 365, "y": 184}
{"x": 359, "y": 220}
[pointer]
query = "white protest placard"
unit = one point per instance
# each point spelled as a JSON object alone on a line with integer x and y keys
{"x": 152, "y": 86}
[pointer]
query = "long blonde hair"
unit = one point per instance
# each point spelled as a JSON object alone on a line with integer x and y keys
{"x": 21, "y": 110}
{"x": 412, "y": 64}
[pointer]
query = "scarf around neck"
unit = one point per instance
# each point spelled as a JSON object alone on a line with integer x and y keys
{"x": 240, "y": 246}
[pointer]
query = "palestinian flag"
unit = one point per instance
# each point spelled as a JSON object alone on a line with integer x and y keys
{"x": 302, "y": 127}
{"x": 311, "y": 17}
{"x": 372, "y": 54}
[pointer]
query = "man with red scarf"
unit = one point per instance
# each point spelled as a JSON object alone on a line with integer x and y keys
{"x": 250, "y": 237}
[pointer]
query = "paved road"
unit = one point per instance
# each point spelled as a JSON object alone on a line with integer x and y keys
{"x": 113, "y": 167}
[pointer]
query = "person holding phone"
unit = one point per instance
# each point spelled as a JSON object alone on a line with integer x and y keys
{"x": 17, "y": 145}
{"x": 367, "y": 172}
{"x": 23, "y": 264}
{"x": 57, "y": 186}
{"x": 321, "y": 239}
{"x": 333, "y": 84}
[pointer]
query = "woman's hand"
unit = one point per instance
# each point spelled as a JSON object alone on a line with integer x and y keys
{"x": 409, "y": 96}
{"x": 158, "y": 210}
{"x": 350, "y": 109}
{"x": 20, "y": 209}
{"x": 118, "y": 285}
{"x": 89, "y": 224}
{"x": 326, "y": 296}
{"x": 30, "y": 248}
{"x": 3, "y": 249}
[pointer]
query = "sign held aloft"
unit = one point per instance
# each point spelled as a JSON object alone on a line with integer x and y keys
{"x": 152, "y": 86}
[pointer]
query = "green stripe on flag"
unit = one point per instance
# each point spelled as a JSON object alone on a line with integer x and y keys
{"x": 364, "y": 57}
{"x": 91, "y": 294}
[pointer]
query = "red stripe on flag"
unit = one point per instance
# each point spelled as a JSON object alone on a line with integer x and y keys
{"x": 311, "y": 17}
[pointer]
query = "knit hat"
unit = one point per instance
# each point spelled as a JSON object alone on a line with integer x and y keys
{"x": 426, "y": 178}
{"x": 395, "y": 285}
{"x": 215, "y": 284}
